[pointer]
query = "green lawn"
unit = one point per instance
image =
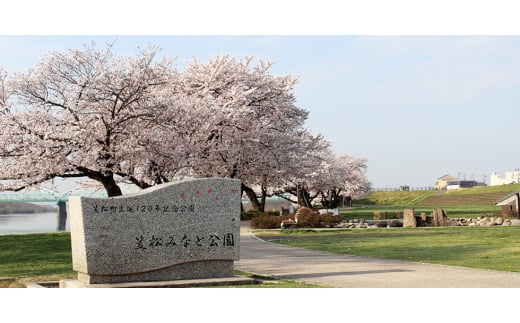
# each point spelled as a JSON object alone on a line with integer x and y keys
{"x": 47, "y": 257}
{"x": 35, "y": 254}
{"x": 34, "y": 257}
{"x": 496, "y": 248}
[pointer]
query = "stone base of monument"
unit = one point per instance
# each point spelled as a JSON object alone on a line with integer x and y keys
{"x": 190, "y": 270}
{"x": 185, "y": 283}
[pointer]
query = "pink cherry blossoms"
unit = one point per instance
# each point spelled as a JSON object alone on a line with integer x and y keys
{"x": 136, "y": 119}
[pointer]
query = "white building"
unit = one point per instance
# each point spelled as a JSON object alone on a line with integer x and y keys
{"x": 511, "y": 178}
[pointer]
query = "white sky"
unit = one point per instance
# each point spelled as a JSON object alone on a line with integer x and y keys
{"x": 417, "y": 107}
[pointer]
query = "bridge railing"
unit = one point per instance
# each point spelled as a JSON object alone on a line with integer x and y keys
{"x": 45, "y": 197}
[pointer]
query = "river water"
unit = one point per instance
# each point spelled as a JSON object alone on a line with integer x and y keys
{"x": 30, "y": 223}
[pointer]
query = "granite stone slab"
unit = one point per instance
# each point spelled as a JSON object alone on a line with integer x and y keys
{"x": 185, "y": 230}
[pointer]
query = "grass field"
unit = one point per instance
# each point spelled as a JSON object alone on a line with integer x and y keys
{"x": 34, "y": 257}
{"x": 47, "y": 257}
{"x": 496, "y": 248}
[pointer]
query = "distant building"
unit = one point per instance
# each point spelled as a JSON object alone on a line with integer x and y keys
{"x": 442, "y": 182}
{"x": 511, "y": 178}
{"x": 453, "y": 185}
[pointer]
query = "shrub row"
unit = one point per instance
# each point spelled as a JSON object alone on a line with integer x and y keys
{"x": 248, "y": 215}
{"x": 267, "y": 221}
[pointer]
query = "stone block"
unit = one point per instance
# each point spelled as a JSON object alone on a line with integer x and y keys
{"x": 440, "y": 218}
{"x": 409, "y": 220}
{"x": 186, "y": 230}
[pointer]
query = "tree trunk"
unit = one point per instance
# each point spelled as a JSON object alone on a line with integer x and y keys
{"x": 347, "y": 201}
{"x": 107, "y": 179}
{"x": 331, "y": 198}
{"x": 324, "y": 199}
{"x": 111, "y": 186}
{"x": 334, "y": 199}
{"x": 287, "y": 198}
{"x": 263, "y": 198}
{"x": 304, "y": 198}
{"x": 299, "y": 197}
{"x": 253, "y": 198}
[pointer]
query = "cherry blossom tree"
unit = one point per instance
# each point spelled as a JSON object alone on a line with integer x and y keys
{"x": 84, "y": 113}
{"x": 292, "y": 161}
{"x": 342, "y": 175}
{"x": 253, "y": 130}
{"x": 90, "y": 113}
{"x": 334, "y": 178}
{"x": 4, "y": 93}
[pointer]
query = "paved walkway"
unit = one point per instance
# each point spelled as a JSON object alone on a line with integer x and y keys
{"x": 261, "y": 257}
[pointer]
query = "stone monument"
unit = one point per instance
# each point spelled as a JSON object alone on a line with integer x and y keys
{"x": 409, "y": 220}
{"x": 440, "y": 218}
{"x": 175, "y": 231}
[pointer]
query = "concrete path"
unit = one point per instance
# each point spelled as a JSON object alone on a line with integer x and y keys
{"x": 261, "y": 257}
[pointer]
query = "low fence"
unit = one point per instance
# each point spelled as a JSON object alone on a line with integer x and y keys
{"x": 402, "y": 189}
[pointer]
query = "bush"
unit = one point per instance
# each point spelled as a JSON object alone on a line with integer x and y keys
{"x": 267, "y": 221}
{"x": 310, "y": 220}
{"x": 329, "y": 221}
{"x": 316, "y": 220}
{"x": 248, "y": 215}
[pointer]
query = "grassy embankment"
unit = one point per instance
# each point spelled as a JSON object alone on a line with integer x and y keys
{"x": 471, "y": 202}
